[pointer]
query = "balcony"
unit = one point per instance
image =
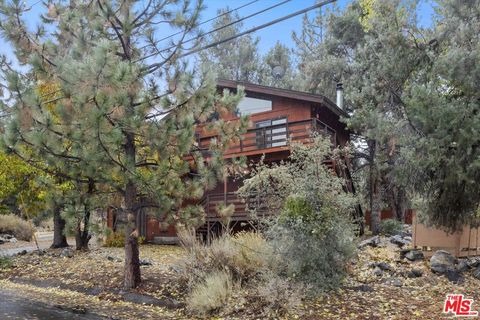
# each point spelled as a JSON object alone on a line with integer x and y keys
{"x": 272, "y": 136}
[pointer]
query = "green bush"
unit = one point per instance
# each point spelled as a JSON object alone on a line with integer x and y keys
{"x": 16, "y": 226}
{"x": 390, "y": 227}
{"x": 311, "y": 231}
{"x": 117, "y": 240}
{"x": 314, "y": 252}
{"x": 211, "y": 294}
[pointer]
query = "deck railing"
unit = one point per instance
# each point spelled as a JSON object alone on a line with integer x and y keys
{"x": 278, "y": 135}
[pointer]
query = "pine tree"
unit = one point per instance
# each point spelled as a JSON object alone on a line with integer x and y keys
{"x": 127, "y": 111}
{"x": 280, "y": 56}
{"x": 375, "y": 59}
{"x": 237, "y": 59}
{"x": 444, "y": 107}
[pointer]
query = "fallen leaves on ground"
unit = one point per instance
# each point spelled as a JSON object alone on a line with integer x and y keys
{"x": 102, "y": 268}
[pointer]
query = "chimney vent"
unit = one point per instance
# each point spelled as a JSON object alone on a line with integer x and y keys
{"x": 340, "y": 95}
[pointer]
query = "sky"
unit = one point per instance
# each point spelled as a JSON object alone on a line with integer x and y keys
{"x": 281, "y": 32}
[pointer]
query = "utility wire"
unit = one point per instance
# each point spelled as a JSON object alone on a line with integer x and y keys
{"x": 211, "y": 19}
{"x": 214, "y": 30}
{"x": 154, "y": 66}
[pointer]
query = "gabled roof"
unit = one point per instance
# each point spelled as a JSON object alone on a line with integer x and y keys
{"x": 298, "y": 95}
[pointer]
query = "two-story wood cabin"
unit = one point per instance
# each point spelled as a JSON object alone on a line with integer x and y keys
{"x": 277, "y": 117}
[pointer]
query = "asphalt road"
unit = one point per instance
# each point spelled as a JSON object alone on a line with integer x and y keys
{"x": 16, "y": 307}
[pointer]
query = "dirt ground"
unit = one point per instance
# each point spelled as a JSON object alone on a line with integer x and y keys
{"x": 92, "y": 281}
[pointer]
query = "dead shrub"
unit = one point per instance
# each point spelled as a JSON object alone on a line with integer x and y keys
{"x": 16, "y": 226}
{"x": 253, "y": 253}
{"x": 244, "y": 261}
{"x": 210, "y": 294}
{"x": 243, "y": 255}
{"x": 275, "y": 296}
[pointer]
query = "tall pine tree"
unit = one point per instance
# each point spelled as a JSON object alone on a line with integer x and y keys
{"x": 127, "y": 107}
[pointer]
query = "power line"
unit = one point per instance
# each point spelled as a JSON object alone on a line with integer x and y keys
{"x": 211, "y": 19}
{"x": 212, "y": 31}
{"x": 154, "y": 66}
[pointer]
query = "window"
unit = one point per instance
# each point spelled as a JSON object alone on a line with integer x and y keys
{"x": 271, "y": 133}
{"x": 253, "y": 105}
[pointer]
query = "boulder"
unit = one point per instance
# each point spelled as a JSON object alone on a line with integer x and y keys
{"x": 476, "y": 273}
{"x": 442, "y": 261}
{"x": 454, "y": 276}
{"x": 2, "y": 241}
{"x": 414, "y": 255}
{"x": 473, "y": 262}
{"x": 415, "y": 273}
{"x": 66, "y": 253}
{"x": 13, "y": 240}
{"x": 399, "y": 241}
{"x": 462, "y": 265}
{"x": 372, "y": 242}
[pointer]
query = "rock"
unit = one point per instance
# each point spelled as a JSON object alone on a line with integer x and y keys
{"x": 363, "y": 288}
{"x": 408, "y": 238}
{"x": 462, "y": 265}
{"x": 22, "y": 253}
{"x": 13, "y": 240}
{"x": 394, "y": 282}
{"x": 476, "y": 272}
{"x": 114, "y": 259}
{"x": 403, "y": 252}
{"x": 2, "y": 241}
{"x": 414, "y": 255}
{"x": 67, "y": 253}
{"x": 453, "y": 276}
{"x": 7, "y": 236}
{"x": 442, "y": 261}
{"x": 473, "y": 262}
{"x": 399, "y": 241}
{"x": 378, "y": 272}
{"x": 372, "y": 242}
{"x": 384, "y": 266}
{"x": 415, "y": 273}
{"x": 145, "y": 263}
{"x": 405, "y": 234}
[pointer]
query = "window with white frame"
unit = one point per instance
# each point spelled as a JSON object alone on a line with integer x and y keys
{"x": 249, "y": 105}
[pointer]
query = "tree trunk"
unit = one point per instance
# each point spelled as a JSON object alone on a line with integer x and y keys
{"x": 376, "y": 210}
{"x": 59, "y": 239}
{"x": 375, "y": 197}
{"x": 132, "y": 259}
{"x": 82, "y": 236}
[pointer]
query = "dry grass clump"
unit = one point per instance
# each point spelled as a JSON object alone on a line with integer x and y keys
{"x": 16, "y": 226}
{"x": 244, "y": 261}
{"x": 211, "y": 294}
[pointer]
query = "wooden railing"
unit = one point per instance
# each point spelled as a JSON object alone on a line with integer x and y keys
{"x": 211, "y": 202}
{"x": 278, "y": 135}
